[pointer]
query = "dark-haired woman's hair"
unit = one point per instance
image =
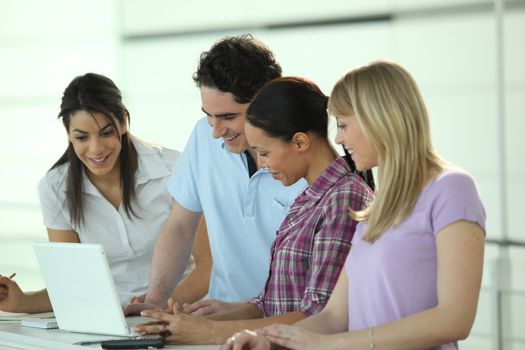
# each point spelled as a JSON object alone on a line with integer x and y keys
{"x": 288, "y": 105}
{"x": 240, "y": 65}
{"x": 95, "y": 93}
{"x": 366, "y": 175}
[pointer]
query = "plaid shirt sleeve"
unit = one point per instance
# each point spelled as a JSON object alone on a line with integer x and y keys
{"x": 258, "y": 302}
{"x": 331, "y": 244}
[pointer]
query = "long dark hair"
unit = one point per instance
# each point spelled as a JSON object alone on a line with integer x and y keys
{"x": 288, "y": 105}
{"x": 96, "y": 93}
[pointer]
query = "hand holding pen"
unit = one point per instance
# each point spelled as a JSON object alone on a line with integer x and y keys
{"x": 3, "y": 288}
{"x": 11, "y": 296}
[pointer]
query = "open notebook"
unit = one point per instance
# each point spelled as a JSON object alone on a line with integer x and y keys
{"x": 81, "y": 289}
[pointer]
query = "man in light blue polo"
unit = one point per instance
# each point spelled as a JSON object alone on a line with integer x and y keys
{"x": 217, "y": 175}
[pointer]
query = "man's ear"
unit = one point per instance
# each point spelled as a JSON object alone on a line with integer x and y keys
{"x": 301, "y": 142}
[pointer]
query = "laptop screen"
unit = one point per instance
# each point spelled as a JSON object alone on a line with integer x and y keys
{"x": 81, "y": 288}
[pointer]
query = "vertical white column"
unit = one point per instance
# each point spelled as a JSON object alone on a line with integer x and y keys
{"x": 501, "y": 268}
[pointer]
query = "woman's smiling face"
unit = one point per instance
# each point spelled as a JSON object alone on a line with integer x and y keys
{"x": 351, "y": 136}
{"x": 280, "y": 157}
{"x": 95, "y": 141}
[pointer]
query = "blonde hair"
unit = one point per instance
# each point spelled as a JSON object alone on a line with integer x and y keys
{"x": 390, "y": 110}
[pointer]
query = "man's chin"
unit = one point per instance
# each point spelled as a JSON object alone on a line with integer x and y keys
{"x": 236, "y": 149}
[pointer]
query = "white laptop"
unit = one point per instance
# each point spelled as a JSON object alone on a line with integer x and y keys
{"x": 81, "y": 289}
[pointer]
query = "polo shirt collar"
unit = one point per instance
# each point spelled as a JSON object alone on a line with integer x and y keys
{"x": 241, "y": 156}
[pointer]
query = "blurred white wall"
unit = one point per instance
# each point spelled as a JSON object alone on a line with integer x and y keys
{"x": 43, "y": 46}
{"x": 151, "y": 49}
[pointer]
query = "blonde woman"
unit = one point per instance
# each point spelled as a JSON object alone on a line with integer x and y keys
{"x": 413, "y": 275}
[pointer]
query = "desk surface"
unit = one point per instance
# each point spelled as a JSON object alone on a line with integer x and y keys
{"x": 13, "y": 336}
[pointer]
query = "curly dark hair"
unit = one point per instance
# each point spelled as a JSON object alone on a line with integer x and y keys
{"x": 240, "y": 65}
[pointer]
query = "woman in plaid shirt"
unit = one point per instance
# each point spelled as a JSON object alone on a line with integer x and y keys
{"x": 287, "y": 126}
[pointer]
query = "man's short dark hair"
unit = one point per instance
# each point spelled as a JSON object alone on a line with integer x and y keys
{"x": 241, "y": 65}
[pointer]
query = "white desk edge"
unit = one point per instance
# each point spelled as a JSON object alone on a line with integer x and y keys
{"x": 14, "y": 336}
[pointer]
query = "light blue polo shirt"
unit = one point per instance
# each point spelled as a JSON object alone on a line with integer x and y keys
{"x": 242, "y": 213}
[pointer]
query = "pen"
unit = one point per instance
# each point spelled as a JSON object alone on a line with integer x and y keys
{"x": 13, "y": 275}
{"x": 90, "y": 342}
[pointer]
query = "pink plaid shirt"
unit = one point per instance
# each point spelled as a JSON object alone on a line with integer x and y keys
{"x": 312, "y": 243}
